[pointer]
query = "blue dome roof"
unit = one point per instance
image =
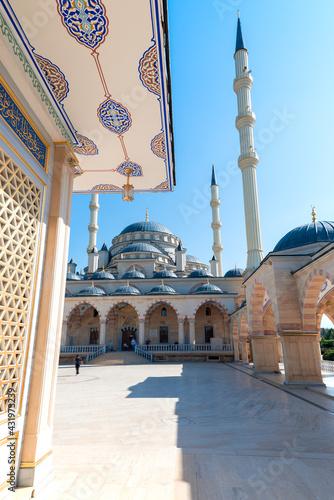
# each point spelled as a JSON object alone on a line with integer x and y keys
{"x": 308, "y": 233}
{"x": 91, "y": 290}
{"x": 146, "y": 225}
{"x": 199, "y": 273}
{"x": 74, "y": 277}
{"x": 191, "y": 258}
{"x": 165, "y": 273}
{"x": 208, "y": 288}
{"x": 133, "y": 275}
{"x": 103, "y": 275}
{"x": 163, "y": 289}
{"x": 140, "y": 247}
{"x": 126, "y": 290}
{"x": 234, "y": 273}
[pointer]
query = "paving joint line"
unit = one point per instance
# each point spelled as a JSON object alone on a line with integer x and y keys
{"x": 282, "y": 389}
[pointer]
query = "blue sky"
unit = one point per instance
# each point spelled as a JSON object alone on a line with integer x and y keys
{"x": 290, "y": 55}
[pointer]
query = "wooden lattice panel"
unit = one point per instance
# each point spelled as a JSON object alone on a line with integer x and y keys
{"x": 20, "y": 207}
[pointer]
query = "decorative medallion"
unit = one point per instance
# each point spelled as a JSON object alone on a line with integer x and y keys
{"x": 20, "y": 125}
{"x": 148, "y": 70}
{"x": 136, "y": 172}
{"x": 164, "y": 185}
{"x": 114, "y": 116}
{"x": 158, "y": 145}
{"x": 106, "y": 188}
{"x": 55, "y": 77}
{"x": 86, "y": 146}
{"x": 85, "y": 20}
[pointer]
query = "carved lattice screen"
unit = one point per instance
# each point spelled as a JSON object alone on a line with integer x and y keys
{"x": 20, "y": 207}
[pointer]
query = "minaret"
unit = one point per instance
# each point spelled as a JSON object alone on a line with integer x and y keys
{"x": 248, "y": 158}
{"x": 93, "y": 227}
{"x": 216, "y": 225}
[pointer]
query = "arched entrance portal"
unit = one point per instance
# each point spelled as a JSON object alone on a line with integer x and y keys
{"x": 124, "y": 324}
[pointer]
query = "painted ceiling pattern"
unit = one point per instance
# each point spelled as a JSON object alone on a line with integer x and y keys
{"x": 111, "y": 86}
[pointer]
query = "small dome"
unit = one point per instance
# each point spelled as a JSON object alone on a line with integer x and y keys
{"x": 141, "y": 247}
{"x": 199, "y": 273}
{"x": 162, "y": 289}
{"x": 126, "y": 290}
{"x": 165, "y": 273}
{"x": 208, "y": 288}
{"x": 146, "y": 225}
{"x": 191, "y": 258}
{"x": 91, "y": 290}
{"x": 74, "y": 277}
{"x": 314, "y": 232}
{"x": 133, "y": 275}
{"x": 234, "y": 273}
{"x": 103, "y": 275}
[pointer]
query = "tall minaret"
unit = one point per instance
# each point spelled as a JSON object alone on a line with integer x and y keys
{"x": 216, "y": 225}
{"x": 248, "y": 158}
{"x": 93, "y": 227}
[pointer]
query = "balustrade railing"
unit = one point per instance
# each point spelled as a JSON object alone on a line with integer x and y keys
{"x": 185, "y": 347}
{"x": 143, "y": 353}
{"x": 80, "y": 348}
{"x": 327, "y": 366}
{"x": 95, "y": 354}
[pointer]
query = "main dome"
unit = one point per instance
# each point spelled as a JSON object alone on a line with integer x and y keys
{"x": 314, "y": 232}
{"x": 146, "y": 225}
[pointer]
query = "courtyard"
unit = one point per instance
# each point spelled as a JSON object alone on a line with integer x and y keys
{"x": 187, "y": 431}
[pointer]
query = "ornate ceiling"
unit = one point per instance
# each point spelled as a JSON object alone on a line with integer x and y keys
{"x": 107, "y": 65}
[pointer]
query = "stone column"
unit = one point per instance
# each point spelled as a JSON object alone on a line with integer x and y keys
{"x": 236, "y": 350}
{"x": 36, "y": 457}
{"x": 244, "y": 351}
{"x": 265, "y": 353}
{"x": 192, "y": 339}
{"x": 141, "y": 335}
{"x": 181, "y": 332}
{"x": 103, "y": 327}
{"x": 64, "y": 333}
{"x": 302, "y": 358}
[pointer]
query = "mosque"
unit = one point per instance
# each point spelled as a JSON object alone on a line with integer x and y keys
{"x": 145, "y": 285}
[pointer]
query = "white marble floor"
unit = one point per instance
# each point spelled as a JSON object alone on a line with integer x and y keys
{"x": 194, "y": 431}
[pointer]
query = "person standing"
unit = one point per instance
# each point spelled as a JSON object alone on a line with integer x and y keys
{"x": 78, "y": 361}
{"x": 133, "y": 344}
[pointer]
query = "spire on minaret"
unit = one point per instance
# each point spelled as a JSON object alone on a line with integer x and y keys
{"x": 213, "y": 176}
{"x": 248, "y": 158}
{"x": 240, "y": 43}
{"x": 216, "y": 225}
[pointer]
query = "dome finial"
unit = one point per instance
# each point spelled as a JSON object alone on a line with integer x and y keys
{"x": 313, "y": 214}
{"x": 164, "y": 267}
{"x": 147, "y": 214}
{"x": 103, "y": 268}
{"x": 133, "y": 267}
{"x": 162, "y": 282}
{"x": 127, "y": 282}
{"x": 92, "y": 284}
{"x": 235, "y": 265}
{"x": 208, "y": 281}
{"x": 238, "y": 14}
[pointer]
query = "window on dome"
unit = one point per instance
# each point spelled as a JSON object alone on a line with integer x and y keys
{"x": 163, "y": 311}
{"x": 208, "y": 311}
{"x": 127, "y": 237}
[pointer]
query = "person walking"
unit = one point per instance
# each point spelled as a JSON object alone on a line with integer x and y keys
{"x": 78, "y": 361}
